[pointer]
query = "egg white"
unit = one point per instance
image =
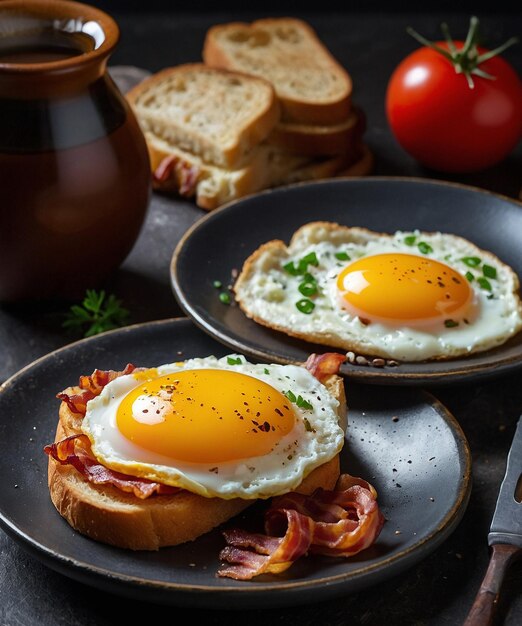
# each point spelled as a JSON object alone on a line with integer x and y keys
{"x": 315, "y": 438}
{"x": 268, "y": 294}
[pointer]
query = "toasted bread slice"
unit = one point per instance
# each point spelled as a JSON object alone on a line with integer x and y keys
{"x": 312, "y": 86}
{"x": 319, "y": 140}
{"x": 215, "y": 114}
{"x": 111, "y": 516}
{"x": 183, "y": 173}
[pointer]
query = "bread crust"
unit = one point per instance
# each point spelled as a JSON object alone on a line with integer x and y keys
{"x": 108, "y": 515}
{"x": 321, "y": 108}
{"x": 319, "y": 140}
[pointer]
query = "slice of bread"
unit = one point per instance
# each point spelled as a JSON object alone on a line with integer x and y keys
{"x": 319, "y": 140}
{"x": 178, "y": 171}
{"x": 216, "y": 114}
{"x": 108, "y": 515}
{"x": 312, "y": 86}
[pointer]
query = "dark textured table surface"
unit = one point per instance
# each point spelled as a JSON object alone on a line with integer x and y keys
{"x": 439, "y": 590}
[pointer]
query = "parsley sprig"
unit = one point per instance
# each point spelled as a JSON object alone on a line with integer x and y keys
{"x": 96, "y": 314}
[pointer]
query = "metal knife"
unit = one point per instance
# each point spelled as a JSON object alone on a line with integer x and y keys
{"x": 504, "y": 538}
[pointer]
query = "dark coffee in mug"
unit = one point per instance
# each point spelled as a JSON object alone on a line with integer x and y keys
{"x": 74, "y": 166}
{"x": 43, "y": 45}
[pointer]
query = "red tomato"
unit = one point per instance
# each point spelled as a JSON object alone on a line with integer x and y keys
{"x": 445, "y": 124}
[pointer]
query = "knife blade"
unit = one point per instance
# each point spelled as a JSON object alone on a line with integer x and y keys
{"x": 506, "y": 526}
{"x": 504, "y": 537}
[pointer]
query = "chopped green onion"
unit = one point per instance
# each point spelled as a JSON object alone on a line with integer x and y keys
{"x": 267, "y": 371}
{"x": 217, "y": 284}
{"x": 310, "y": 259}
{"x": 225, "y": 297}
{"x": 410, "y": 240}
{"x": 308, "y": 288}
{"x": 305, "y": 306}
{"x": 291, "y": 268}
{"x": 489, "y": 271}
{"x": 484, "y": 283}
{"x": 232, "y": 361}
{"x": 302, "y": 266}
{"x": 342, "y": 256}
{"x": 291, "y": 396}
{"x": 469, "y": 276}
{"x": 471, "y": 261}
{"x": 303, "y": 404}
{"x": 450, "y": 323}
{"x": 424, "y": 247}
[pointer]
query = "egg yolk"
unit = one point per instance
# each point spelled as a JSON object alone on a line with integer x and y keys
{"x": 403, "y": 289}
{"x": 205, "y": 416}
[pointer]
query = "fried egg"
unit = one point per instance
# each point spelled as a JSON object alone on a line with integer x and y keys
{"x": 216, "y": 427}
{"x": 410, "y": 296}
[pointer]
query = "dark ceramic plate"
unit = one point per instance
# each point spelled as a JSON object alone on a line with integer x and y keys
{"x": 402, "y": 440}
{"x": 221, "y": 241}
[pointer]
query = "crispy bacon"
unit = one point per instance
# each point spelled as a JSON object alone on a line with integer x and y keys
{"x": 340, "y": 522}
{"x": 76, "y": 451}
{"x": 176, "y": 174}
{"x": 91, "y": 386}
{"x": 324, "y": 365}
{"x": 265, "y": 554}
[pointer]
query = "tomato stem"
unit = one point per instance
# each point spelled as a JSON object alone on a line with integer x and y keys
{"x": 466, "y": 60}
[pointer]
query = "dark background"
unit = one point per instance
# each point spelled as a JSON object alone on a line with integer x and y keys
{"x": 345, "y": 6}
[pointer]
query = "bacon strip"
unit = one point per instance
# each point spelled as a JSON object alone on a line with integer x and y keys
{"x": 324, "y": 365}
{"x": 91, "y": 386}
{"x": 76, "y": 451}
{"x": 269, "y": 555}
{"x": 176, "y": 174}
{"x": 340, "y": 522}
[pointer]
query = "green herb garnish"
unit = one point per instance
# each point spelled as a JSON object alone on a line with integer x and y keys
{"x": 225, "y": 297}
{"x": 469, "y": 276}
{"x": 484, "y": 283}
{"x": 489, "y": 271}
{"x": 302, "y": 266}
{"x": 266, "y": 371}
{"x": 96, "y": 314}
{"x": 298, "y": 400}
{"x": 303, "y": 404}
{"x": 342, "y": 256}
{"x": 471, "y": 261}
{"x": 217, "y": 284}
{"x": 424, "y": 247}
{"x": 234, "y": 361}
{"x": 410, "y": 240}
{"x": 305, "y": 306}
{"x": 309, "y": 286}
{"x": 290, "y": 395}
{"x": 310, "y": 259}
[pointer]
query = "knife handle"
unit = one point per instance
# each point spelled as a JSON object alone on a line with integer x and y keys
{"x": 483, "y": 609}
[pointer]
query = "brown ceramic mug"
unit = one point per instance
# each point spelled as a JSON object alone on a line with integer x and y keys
{"x": 74, "y": 167}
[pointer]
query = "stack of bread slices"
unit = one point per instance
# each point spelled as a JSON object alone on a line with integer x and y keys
{"x": 268, "y": 106}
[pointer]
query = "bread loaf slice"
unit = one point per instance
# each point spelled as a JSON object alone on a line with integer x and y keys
{"x": 319, "y": 140}
{"x": 312, "y": 86}
{"x": 180, "y": 172}
{"x": 107, "y": 514}
{"x": 215, "y": 114}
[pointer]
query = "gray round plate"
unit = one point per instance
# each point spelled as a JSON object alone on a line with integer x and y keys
{"x": 221, "y": 241}
{"x": 402, "y": 440}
